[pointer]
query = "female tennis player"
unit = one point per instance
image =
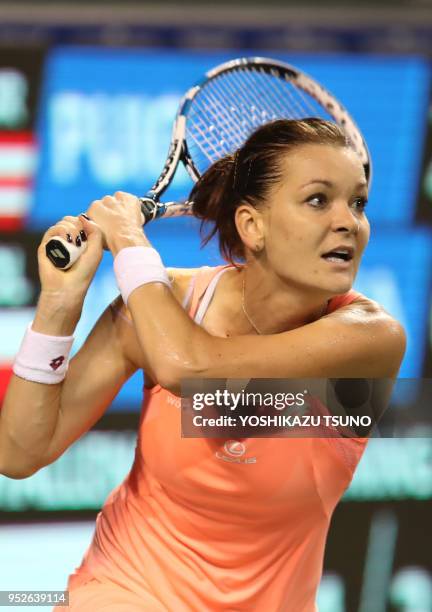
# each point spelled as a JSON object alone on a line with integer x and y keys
{"x": 209, "y": 524}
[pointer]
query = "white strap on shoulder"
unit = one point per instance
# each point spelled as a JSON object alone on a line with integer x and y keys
{"x": 208, "y": 295}
{"x": 185, "y": 302}
{"x": 189, "y": 292}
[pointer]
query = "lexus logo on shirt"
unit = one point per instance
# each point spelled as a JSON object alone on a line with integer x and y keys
{"x": 234, "y": 448}
{"x": 233, "y": 453}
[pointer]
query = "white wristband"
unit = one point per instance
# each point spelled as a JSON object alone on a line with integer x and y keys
{"x": 43, "y": 358}
{"x": 136, "y": 266}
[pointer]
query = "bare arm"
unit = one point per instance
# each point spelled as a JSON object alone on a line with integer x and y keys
{"x": 38, "y": 422}
{"x": 359, "y": 340}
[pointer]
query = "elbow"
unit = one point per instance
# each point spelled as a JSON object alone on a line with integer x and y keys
{"x": 18, "y": 472}
{"x": 172, "y": 372}
{"x": 18, "y": 469}
{"x": 172, "y": 376}
{"x": 171, "y": 383}
{"x": 391, "y": 348}
{"x": 397, "y": 343}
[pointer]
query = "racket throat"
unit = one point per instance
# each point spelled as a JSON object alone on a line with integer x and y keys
{"x": 151, "y": 208}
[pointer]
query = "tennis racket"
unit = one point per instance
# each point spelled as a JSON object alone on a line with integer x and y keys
{"x": 216, "y": 117}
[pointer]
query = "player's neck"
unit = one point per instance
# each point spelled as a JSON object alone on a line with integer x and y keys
{"x": 272, "y": 306}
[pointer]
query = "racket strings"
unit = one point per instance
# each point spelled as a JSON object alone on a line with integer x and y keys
{"x": 209, "y": 147}
{"x": 251, "y": 103}
{"x": 203, "y": 143}
{"x": 305, "y": 105}
{"x": 229, "y": 104}
{"x": 267, "y": 88}
{"x": 229, "y": 128}
{"x": 239, "y": 91}
{"x": 296, "y": 103}
{"x": 234, "y": 104}
{"x": 221, "y": 131}
{"x": 255, "y": 102}
{"x": 211, "y": 113}
{"x": 240, "y": 125}
{"x": 232, "y": 131}
{"x": 227, "y": 123}
{"x": 273, "y": 90}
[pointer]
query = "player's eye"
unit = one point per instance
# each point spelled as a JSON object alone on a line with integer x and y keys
{"x": 317, "y": 200}
{"x": 360, "y": 203}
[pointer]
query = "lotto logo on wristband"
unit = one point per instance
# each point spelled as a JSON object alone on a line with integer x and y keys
{"x": 57, "y": 362}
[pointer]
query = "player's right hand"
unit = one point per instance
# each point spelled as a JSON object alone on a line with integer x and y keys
{"x": 75, "y": 280}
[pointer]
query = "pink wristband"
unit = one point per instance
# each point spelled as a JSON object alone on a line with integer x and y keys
{"x": 43, "y": 358}
{"x": 136, "y": 266}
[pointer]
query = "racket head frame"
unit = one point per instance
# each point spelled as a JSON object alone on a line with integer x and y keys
{"x": 179, "y": 151}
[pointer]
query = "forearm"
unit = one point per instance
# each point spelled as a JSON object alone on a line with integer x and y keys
{"x": 174, "y": 344}
{"x": 57, "y": 314}
{"x": 170, "y": 341}
{"x": 30, "y": 410}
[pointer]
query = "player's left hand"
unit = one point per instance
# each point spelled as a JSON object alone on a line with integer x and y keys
{"x": 120, "y": 220}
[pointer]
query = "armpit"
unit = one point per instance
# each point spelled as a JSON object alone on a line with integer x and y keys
{"x": 119, "y": 310}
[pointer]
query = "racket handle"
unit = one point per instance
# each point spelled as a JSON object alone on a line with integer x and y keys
{"x": 63, "y": 254}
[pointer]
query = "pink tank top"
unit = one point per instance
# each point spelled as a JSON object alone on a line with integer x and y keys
{"x": 203, "y": 525}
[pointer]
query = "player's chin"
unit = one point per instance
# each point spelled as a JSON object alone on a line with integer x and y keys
{"x": 343, "y": 285}
{"x": 339, "y": 284}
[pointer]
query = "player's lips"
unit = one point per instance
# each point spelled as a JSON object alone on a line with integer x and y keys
{"x": 340, "y": 256}
{"x": 341, "y": 265}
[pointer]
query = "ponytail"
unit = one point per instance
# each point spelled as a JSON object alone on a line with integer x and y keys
{"x": 214, "y": 201}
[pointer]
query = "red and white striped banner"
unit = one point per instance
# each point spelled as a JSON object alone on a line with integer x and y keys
{"x": 18, "y": 156}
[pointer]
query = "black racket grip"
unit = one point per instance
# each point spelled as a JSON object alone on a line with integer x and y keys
{"x": 63, "y": 254}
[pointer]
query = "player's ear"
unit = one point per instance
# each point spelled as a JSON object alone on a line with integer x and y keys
{"x": 250, "y": 226}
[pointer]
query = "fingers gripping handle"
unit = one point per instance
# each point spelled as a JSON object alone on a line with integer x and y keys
{"x": 63, "y": 254}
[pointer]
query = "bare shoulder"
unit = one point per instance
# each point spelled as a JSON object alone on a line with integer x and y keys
{"x": 361, "y": 306}
{"x": 365, "y": 310}
{"x": 374, "y": 322}
{"x": 181, "y": 279}
{"x": 122, "y": 319}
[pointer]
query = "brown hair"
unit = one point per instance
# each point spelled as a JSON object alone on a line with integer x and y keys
{"x": 248, "y": 175}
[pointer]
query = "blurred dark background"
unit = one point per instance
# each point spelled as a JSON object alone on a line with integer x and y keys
{"x": 88, "y": 92}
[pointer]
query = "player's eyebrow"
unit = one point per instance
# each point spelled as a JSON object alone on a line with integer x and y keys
{"x": 330, "y": 184}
